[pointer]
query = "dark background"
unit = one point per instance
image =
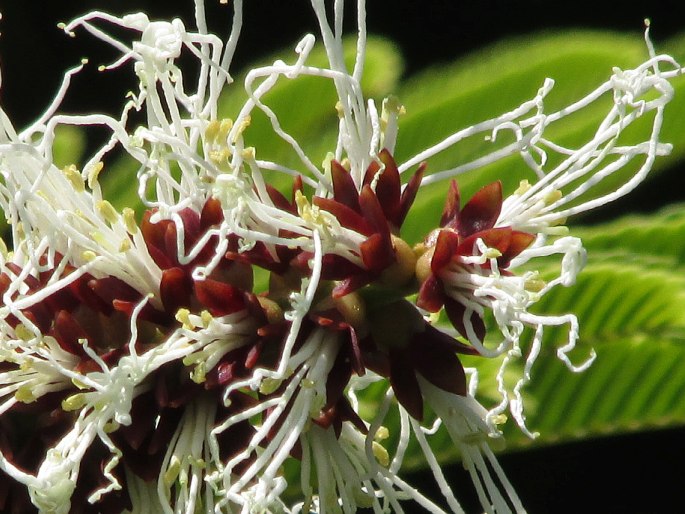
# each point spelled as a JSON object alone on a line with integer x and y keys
{"x": 638, "y": 473}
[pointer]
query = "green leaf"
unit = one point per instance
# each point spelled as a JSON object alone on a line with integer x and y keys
{"x": 69, "y": 145}
{"x": 646, "y": 238}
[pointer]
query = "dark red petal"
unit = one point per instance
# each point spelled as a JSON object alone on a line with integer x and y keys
{"x": 404, "y": 383}
{"x": 81, "y": 289}
{"x": 212, "y": 214}
{"x": 335, "y": 267}
{"x": 191, "y": 227}
{"x": 219, "y": 298}
{"x": 347, "y": 217}
{"x": 373, "y": 212}
{"x": 498, "y": 238}
{"x": 166, "y": 426}
{"x": 175, "y": 289}
{"x": 297, "y": 186}
{"x": 482, "y": 211}
{"x": 439, "y": 339}
{"x": 253, "y": 354}
{"x": 370, "y": 173}
{"x": 388, "y": 188}
{"x": 377, "y": 253}
{"x": 279, "y": 200}
{"x": 344, "y": 189}
{"x": 431, "y": 295}
{"x": 456, "y": 311}
{"x": 154, "y": 235}
{"x": 409, "y": 194}
{"x": 440, "y": 367}
{"x": 347, "y": 413}
{"x": 68, "y": 332}
{"x": 519, "y": 242}
{"x": 445, "y": 248}
{"x": 337, "y": 379}
{"x": 147, "y": 313}
{"x": 351, "y": 284}
{"x": 144, "y": 415}
{"x": 356, "y": 358}
{"x": 112, "y": 288}
{"x": 452, "y": 205}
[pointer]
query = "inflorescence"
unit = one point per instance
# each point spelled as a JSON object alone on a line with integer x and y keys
{"x": 143, "y": 371}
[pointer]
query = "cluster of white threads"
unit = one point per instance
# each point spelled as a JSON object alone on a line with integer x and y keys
{"x": 464, "y": 419}
{"x": 346, "y": 478}
{"x": 176, "y": 120}
{"x": 287, "y": 414}
{"x": 583, "y": 167}
{"x": 510, "y": 298}
{"x": 181, "y": 485}
{"x": 48, "y": 205}
{"x": 34, "y": 372}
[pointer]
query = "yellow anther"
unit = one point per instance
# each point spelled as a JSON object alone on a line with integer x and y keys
{"x": 326, "y": 163}
{"x": 499, "y": 419}
{"x": 241, "y": 127}
{"x": 553, "y": 196}
{"x": 382, "y": 434}
{"x": 74, "y": 177}
{"x": 381, "y": 454}
{"x": 23, "y": 333}
{"x": 74, "y": 402}
{"x": 100, "y": 239}
{"x": 129, "y": 217}
{"x": 125, "y": 245}
{"x": 248, "y": 153}
{"x": 206, "y": 318}
{"x": 111, "y": 426}
{"x": 199, "y": 373}
{"x": 269, "y": 385}
{"x": 221, "y": 156}
{"x": 108, "y": 212}
{"x": 391, "y": 106}
{"x": 524, "y": 186}
{"x": 212, "y": 131}
{"x": 93, "y": 174}
{"x": 227, "y": 124}
{"x": 89, "y": 256}
{"x": 183, "y": 317}
{"x": 25, "y": 394}
{"x": 79, "y": 384}
{"x": 311, "y": 213}
{"x": 492, "y": 253}
{"x": 172, "y": 472}
{"x": 534, "y": 284}
{"x": 193, "y": 358}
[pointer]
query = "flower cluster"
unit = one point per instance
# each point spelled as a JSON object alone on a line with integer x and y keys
{"x": 141, "y": 368}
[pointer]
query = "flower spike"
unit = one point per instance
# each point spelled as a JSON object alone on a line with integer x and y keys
{"x": 181, "y": 362}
